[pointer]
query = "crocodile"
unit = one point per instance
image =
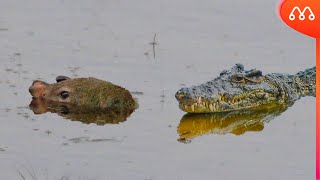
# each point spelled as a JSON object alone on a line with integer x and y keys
{"x": 238, "y": 89}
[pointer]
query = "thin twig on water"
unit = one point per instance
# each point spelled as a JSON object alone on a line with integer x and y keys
{"x": 154, "y": 43}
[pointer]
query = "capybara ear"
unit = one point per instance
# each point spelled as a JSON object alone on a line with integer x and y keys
{"x": 61, "y": 78}
{"x": 38, "y": 89}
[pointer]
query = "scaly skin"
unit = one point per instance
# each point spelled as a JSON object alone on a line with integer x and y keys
{"x": 238, "y": 89}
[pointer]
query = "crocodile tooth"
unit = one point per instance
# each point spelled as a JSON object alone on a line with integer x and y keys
{"x": 185, "y": 106}
{"x": 226, "y": 105}
{"x": 272, "y": 98}
{"x": 192, "y": 107}
{"x": 204, "y": 104}
{"x": 260, "y": 95}
{"x": 211, "y": 107}
{"x": 199, "y": 100}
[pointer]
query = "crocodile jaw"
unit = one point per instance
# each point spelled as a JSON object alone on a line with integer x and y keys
{"x": 223, "y": 102}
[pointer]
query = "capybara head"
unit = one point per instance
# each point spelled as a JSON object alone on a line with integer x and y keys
{"x": 89, "y": 92}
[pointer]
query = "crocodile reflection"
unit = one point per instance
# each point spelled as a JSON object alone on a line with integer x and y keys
{"x": 82, "y": 114}
{"x": 234, "y": 122}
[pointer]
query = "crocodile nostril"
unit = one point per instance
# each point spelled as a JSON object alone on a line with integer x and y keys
{"x": 180, "y": 94}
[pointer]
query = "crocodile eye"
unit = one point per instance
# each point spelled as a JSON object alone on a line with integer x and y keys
{"x": 238, "y": 78}
{"x": 64, "y": 94}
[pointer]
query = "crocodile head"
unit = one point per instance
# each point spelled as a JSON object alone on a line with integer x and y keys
{"x": 234, "y": 89}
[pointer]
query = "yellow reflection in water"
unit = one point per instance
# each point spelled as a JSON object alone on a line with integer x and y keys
{"x": 235, "y": 122}
{"x": 82, "y": 114}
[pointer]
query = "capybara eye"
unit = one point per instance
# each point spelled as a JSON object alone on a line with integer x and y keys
{"x": 64, "y": 94}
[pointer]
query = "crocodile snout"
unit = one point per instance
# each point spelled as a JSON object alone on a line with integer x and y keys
{"x": 180, "y": 94}
{"x": 184, "y": 94}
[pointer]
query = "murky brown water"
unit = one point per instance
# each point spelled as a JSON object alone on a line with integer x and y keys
{"x": 110, "y": 40}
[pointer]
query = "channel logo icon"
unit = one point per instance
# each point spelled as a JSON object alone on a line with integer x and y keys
{"x": 302, "y": 15}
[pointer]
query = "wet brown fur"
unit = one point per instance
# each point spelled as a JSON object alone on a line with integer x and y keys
{"x": 88, "y": 92}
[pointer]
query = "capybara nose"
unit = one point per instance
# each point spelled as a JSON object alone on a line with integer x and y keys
{"x": 38, "y": 88}
{"x": 31, "y": 89}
